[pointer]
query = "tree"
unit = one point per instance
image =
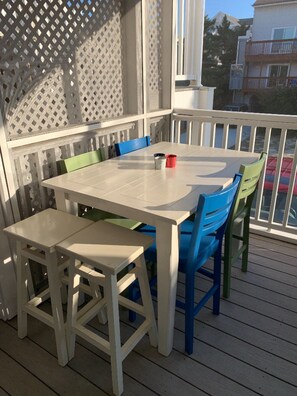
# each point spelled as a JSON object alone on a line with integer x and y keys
{"x": 220, "y": 46}
{"x": 277, "y": 101}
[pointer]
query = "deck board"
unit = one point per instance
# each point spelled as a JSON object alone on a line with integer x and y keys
{"x": 249, "y": 349}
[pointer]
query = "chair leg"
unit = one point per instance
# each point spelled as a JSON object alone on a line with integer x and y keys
{"x": 111, "y": 292}
{"x": 246, "y": 234}
{"x": 217, "y": 282}
{"x": 22, "y": 291}
{"x": 147, "y": 299}
{"x": 57, "y": 311}
{"x": 227, "y": 264}
{"x": 189, "y": 313}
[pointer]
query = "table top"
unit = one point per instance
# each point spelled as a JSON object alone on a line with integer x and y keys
{"x": 130, "y": 185}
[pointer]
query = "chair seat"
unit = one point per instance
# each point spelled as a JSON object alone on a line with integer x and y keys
{"x": 208, "y": 246}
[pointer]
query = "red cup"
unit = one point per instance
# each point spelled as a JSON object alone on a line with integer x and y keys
{"x": 170, "y": 161}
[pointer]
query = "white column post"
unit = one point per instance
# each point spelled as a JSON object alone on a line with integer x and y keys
{"x": 194, "y": 29}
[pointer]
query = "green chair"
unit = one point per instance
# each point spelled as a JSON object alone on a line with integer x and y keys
{"x": 81, "y": 161}
{"x": 239, "y": 221}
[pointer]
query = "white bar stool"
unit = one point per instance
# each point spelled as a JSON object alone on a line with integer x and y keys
{"x": 108, "y": 248}
{"x": 36, "y": 238}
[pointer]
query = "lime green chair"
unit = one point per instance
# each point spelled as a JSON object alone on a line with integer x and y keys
{"x": 239, "y": 221}
{"x": 81, "y": 161}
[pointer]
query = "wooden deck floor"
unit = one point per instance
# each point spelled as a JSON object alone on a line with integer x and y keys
{"x": 249, "y": 349}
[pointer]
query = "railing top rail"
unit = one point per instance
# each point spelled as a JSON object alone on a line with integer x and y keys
{"x": 273, "y": 120}
{"x": 251, "y": 42}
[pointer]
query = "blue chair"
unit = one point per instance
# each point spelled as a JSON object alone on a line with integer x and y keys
{"x": 132, "y": 145}
{"x": 202, "y": 240}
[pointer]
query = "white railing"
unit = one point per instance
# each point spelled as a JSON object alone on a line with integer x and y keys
{"x": 275, "y": 209}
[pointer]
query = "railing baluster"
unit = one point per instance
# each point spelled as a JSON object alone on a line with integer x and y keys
{"x": 213, "y": 134}
{"x": 177, "y": 137}
{"x": 225, "y": 136}
{"x": 259, "y": 198}
{"x": 189, "y": 136}
{"x": 277, "y": 174}
{"x": 253, "y": 139}
{"x": 238, "y": 137}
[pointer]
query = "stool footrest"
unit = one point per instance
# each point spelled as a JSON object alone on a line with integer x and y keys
{"x": 34, "y": 254}
{"x": 135, "y": 338}
{"x": 39, "y": 314}
{"x": 131, "y": 305}
{"x": 126, "y": 280}
{"x": 40, "y": 298}
{"x": 94, "y": 339}
{"x": 90, "y": 310}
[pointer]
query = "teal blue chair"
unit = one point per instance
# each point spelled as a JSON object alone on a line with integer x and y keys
{"x": 201, "y": 240}
{"x": 132, "y": 145}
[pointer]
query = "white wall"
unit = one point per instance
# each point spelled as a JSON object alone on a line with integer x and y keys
{"x": 266, "y": 18}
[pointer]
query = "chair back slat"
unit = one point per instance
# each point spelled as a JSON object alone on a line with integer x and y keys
{"x": 211, "y": 216}
{"x": 250, "y": 176}
{"x": 79, "y": 161}
{"x": 132, "y": 145}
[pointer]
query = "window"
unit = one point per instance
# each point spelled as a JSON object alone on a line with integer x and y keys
{"x": 277, "y": 76}
{"x": 279, "y": 34}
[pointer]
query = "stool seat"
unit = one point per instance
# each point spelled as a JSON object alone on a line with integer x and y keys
{"x": 47, "y": 228}
{"x": 109, "y": 249}
{"x": 106, "y": 246}
{"x": 36, "y": 238}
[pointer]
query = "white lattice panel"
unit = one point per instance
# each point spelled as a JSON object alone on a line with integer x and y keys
{"x": 154, "y": 52}
{"x": 61, "y": 63}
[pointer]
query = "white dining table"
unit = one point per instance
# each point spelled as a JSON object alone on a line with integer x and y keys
{"x": 130, "y": 186}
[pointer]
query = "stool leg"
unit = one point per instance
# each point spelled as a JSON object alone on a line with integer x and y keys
{"x": 111, "y": 292}
{"x": 57, "y": 312}
{"x": 22, "y": 291}
{"x": 72, "y": 305}
{"x": 147, "y": 298}
{"x": 96, "y": 293}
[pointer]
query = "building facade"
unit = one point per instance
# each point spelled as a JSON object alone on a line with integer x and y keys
{"x": 268, "y": 58}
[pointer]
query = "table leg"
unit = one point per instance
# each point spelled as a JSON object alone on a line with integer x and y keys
{"x": 167, "y": 270}
{"x": 64, "y": 204}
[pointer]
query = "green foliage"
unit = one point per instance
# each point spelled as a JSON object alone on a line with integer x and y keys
{"x": 277, "y": 101}
{"x": 219, "y": 52}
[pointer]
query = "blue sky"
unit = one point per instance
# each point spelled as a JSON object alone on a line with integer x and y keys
{"x": 236, "y": 8}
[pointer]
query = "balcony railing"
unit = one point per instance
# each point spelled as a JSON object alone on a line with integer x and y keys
{"x": 259, "y": 83}
{"x": 271, "y": 50}
{"x": 275, "y": 208}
